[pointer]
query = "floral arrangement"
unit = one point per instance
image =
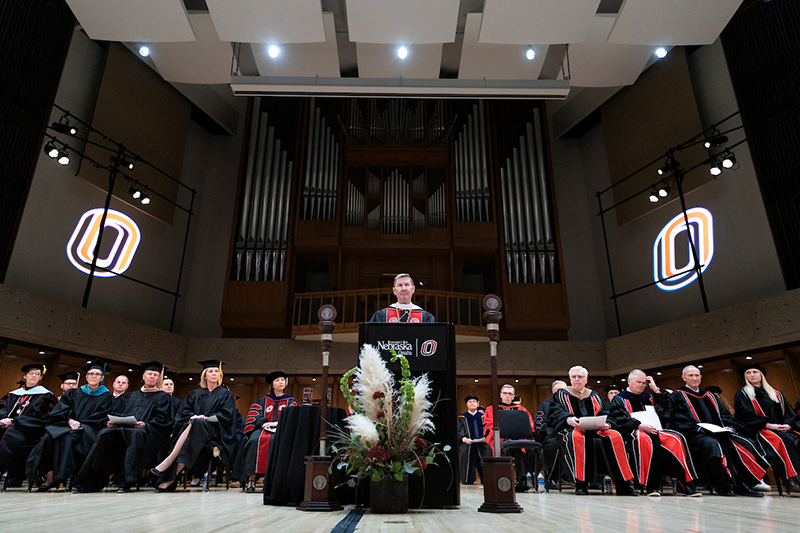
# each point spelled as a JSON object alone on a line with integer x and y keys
{"x": 387, "y": 424}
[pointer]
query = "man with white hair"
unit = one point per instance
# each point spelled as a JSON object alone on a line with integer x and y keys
{"x": 655, "y": 451}
{"x": 572, "y": 403}
{"x": 734, "y": 462}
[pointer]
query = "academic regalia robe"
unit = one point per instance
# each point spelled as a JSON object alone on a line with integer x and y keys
{"x": 29, "y": 410}
{"x": 781, "y": 448}
{"x": 522, "y": 461}
{"x": 128, "y": 450}
{"x": 469, "y": 458}
{"x": 220, "y": 403}
{"x": 653, "y": 455}
{"x": 256, "y": 448}
{"x": 63, "y": 449}
{"x": 395, "y": 314}
{"x": 726, "y": 454}
{"x": 580, "y": 452}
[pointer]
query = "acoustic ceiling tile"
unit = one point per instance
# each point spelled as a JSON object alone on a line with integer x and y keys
{"x": 141, "y": 21}
{"x": 268, "y": 21}
{"x": 302, "y": 59}
{"x": 496, "y": 61}
{"x": 402, "y": 21}
{"x": 536, "y": 21}
{"x": 206, "y": 60}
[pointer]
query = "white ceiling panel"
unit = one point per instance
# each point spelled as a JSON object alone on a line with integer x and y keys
{"x": 380, "y": 61}
{"x": 402, "y": 21}
{"x": 496, "y": 61}
{"x": 537, "y": 21}
{"x": 672, "y": 22}
{"x": 598, "y": 63}
{"x": 305, "y": 60}
{"x": 268, "y": 21}
{"x": 141, "y": 21}
{"x": 206, "y": 60}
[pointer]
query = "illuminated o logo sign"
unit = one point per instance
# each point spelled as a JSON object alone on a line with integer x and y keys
{"x": 80, "y": 249}
{"x": 665, "y": 257}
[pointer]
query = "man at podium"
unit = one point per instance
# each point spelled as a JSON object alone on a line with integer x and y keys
{"x": 403, "y": 310}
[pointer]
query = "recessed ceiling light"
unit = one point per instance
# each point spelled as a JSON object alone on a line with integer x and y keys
{"x": 749, "y": 357}
{"x": 530, "y": 53}
{"x": 144, "y": 51}
{"x": 476, "y": 380}
{"x": 661, "y": 52}
{"x": 42, "y": 352}
{"x": 273, "y": 51}
{"x": 402, "y": 52}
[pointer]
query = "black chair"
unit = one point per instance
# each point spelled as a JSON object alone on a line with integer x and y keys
{"x": 515, "y": 429}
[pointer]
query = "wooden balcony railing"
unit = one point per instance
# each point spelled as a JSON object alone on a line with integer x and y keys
{"x": 357, "y": 306}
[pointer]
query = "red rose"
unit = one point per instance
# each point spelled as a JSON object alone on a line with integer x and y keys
{"x": 378, "y": 394}
{"x": 422, "y": 462}
{"x": 419, "y": 443}
{"x": 378, "y": 455}
{"x": 381, "y": 414}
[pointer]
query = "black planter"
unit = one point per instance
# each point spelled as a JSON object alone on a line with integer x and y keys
{"x": 389, "y": 496}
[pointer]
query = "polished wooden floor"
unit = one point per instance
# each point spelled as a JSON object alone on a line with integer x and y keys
{"x": 233, "y": 511}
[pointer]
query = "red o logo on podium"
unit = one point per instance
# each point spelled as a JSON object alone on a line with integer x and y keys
{"x": 428, "y": 348}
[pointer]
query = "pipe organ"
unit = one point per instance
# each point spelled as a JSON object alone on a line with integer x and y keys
{"x": 262, "y": 230}
{"x": 530, "y": 253}
{"x": 471, "y": 171}
{"x": 331, "y": 189}
{"x": 321, "y": 176}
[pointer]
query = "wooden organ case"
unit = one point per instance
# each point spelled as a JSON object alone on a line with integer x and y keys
{"x": 338, "y": 195}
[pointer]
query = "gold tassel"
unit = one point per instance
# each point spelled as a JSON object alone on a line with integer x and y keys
{"x": 220, "y": 374}
{"x": 44, "y": 370}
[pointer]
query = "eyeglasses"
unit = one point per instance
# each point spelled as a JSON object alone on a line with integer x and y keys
{"x": 33, "y": 374}
{"x": 94, "y": 373}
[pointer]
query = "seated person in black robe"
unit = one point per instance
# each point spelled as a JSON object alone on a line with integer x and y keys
{"x": 472, "y": 444}
{"x": 572, "y": 403}
{"x": 23, "y": 416}
{"x": 764, "y": 415}
{"x": 168, "y": 386}
{"x": 69, "y": 380}
{"x": 127, "y": 449}
{"x": 403, "y": 310}
{"x": 206, "y": 416}
{"x": 74, "y": 423}
{"x": 522, "y": 459}
{"x": 260, "y": 425}
{"x": 653, "y": 451}
{"x": 549, "y": 439}
{"x": 733, "y": 462}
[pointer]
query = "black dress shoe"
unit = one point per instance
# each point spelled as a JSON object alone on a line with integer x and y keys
{"x": 624, "y": 489}
{"x": 747, "y": 491}
{"x": 125, "y": 487}
{"x": 44, "y": 488}
{"x": 581, "y": 488}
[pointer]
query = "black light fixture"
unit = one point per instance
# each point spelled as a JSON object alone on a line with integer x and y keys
{"x": 135, "y": 192}
{"x": 51, "y": 150}
{"x": 664, "y": 170}
{"x": 653, "y": 196}
{"x": 715, "y": 141}
{"x": 62, "y": 126}
{"x": 145, "y": 199}
{"x": 63, "y": 157}
{"x": 476, "y": 380}
{"x": 663, "y": 191}
{"x": 728, "y": 159}
{"x": 715, "y": 169}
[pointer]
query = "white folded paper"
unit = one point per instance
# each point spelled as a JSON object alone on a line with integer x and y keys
{"x": 212, "y": 419}
{"x": 648, "y": 416}
{"x": 713, "y": 428}
{"x": 590, "y": 423}
{"x": 122, "y": 420}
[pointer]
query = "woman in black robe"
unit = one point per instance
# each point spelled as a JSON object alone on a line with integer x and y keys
{"x": 207, "y": 415}
{"x": 764, "y": 415}
{"x": 73, "y": 426}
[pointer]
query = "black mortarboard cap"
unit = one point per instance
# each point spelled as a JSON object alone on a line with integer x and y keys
{"x": 714, "y": 389}
{"x": 211, "y": 363}
{"x": 755, "y": 366}
{"x": 471, "y": 397}
{"x": 68, "y": 375}
{"x": 98, "y": 363}
{"x": 154, "y": 365}
{"x": 28, "y": 368}
{"x": 272, "y": 376}
{"x": 612, "y": 387}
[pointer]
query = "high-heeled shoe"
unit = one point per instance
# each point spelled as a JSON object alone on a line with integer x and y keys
{"x": 44, "y": 488}
{"x": 171, "y": 488}
{"x": 155, "y": 472}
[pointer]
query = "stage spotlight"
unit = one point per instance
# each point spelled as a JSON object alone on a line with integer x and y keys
{"x": 64, "y": 127}
{"x": 144, "y": 50}
{"x": 661, "y": 52}
{"x": 716, "y": 141}
{"x": 653, "y": 196}
{"x": 63, "y": 157}
{"x": 273, "y": 51}
{"x": 530, "y": 53}
{"x": 135, "y": 192}
{"x": 145, "y": 198}
{"x": 664, "y": 170}
{"x": 402, "y": 52}
{"x": 715, "y": 170}
{"x": 728, "y": 160}
{"x": 663, "y": 191}
{"x": 51, "y": 150}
